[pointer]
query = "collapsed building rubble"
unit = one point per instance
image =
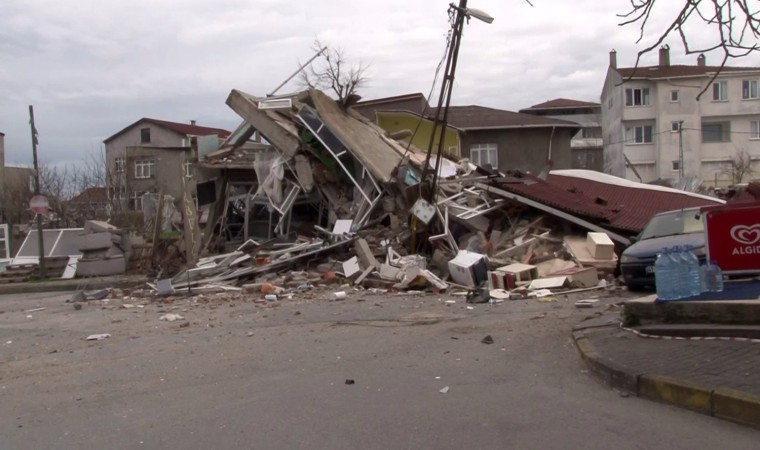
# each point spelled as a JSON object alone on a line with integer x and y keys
{"x": 307, "y": 186}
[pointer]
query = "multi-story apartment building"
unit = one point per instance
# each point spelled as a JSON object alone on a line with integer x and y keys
{"x": 153, "y": 155}
{"x": 675, "y": 121}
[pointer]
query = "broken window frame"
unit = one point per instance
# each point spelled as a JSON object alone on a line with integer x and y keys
{"x": 316, "y": 126}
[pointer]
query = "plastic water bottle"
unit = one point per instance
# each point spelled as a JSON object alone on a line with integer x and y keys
{"x": 704, "y": 277}
{"x": 715, "y": 278}
{"x": 692, "y": 263}
{"x": 679, "y": 273}
{"x": 663, "y": 275}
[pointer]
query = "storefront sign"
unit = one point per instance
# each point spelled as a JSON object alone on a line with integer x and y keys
{"x": 733, "y": 237}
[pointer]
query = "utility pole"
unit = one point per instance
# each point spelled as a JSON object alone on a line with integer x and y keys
{"x": 40, "y": 239}
{"x": 680, "y": 149}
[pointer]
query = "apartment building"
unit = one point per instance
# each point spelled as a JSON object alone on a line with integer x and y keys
{"x": 677, "y": 121}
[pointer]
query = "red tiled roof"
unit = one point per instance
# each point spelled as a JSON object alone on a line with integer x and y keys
{"x": 613, "y": 206}
{"x": 188, "y": 129}
{"x": 542, "y": 191}
{"x": 652, "y": 72}
{"x": 475, "y": 117}
{"x": 563, "y": 103}
{"x": 632, "y": 207}
{"x": 91, "y": 195}
{"x": 180, "y": 128}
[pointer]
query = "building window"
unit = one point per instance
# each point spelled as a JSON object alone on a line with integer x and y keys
{"x": 676, "y": 166}
{"x": 749, "y": 89}
{"x": 754, "y": 129}
{"x": 135, "y": 201}
{"x": 675, "y": 127}
{"x": 145, "y": 135}
{"x": 482, "y": 154}
{"x": 609, "y": 103}
{"x": 641, "y": 134}
{"x": 188, "y": 169}
{"x": 120, "y": 164}
{"x": 144, "y": 168}
{"x": 675, "y": 96}
{"x": 637, "y": 97}
{"x": 720, "y": 91}
{"x": 716, "y": 131}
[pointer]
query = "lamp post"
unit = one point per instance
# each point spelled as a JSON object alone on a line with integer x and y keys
{"x": 457, "y": 15}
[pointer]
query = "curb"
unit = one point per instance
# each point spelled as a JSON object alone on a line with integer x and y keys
{"x": 70, "y": 285}
{"x": 723, "y": 403}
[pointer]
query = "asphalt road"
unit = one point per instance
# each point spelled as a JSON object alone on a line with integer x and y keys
{"x": 239, "y": 374}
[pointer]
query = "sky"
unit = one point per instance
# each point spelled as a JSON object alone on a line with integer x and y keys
{"x": 93, "y": 67}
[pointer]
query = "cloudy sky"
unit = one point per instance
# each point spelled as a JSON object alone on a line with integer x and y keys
{"x": 92, "y": 67}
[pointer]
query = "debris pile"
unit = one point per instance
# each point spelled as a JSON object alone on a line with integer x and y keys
{"x": 102, "y": 253}
{"x": 307, "y": 190}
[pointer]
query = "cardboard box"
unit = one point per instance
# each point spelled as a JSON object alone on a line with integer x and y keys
{"x": 468, "y": 268}
{"x": 600, "y": 245}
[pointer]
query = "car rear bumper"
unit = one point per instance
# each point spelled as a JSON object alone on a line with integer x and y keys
{"x": 636, "y": 274}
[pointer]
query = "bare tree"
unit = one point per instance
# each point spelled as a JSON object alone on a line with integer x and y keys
{"x": 740, "y": 167}
{"x": 333, "y": 71}
{"x": 736, "y": 24}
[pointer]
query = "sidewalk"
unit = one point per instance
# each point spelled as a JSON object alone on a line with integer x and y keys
{"x": 716, "y": 377}
{"x": 74, "y": 284}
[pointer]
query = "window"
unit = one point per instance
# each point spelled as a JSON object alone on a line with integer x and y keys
{"x": 120, "y": 164}
{"x": 637, "y": 97}
{"x": 482, "y": 154}
{"x": 135, "y": 201}
{"x": 675, "y": 127}
{"x": 145, "y": 135}
{"x": 716, "y": 131}
{"x": 720, "y": 91}
{"x": 641, "y": 134}
{"x": 675, "y": 96}
{"x": 754, "y": 129}
{"x": 749, "y": 89}
{"x": 676, "y": 166}
{"x": 144, "y": 168}
{"x": 188, "y": 169}
{"x": 609, "y": 103}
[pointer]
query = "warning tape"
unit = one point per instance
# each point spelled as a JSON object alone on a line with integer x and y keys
{"x": 688, "y": 338}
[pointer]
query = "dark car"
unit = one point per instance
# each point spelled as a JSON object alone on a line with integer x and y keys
{"x": 682, "y": 227}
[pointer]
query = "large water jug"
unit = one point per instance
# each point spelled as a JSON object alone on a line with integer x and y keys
{"x": 692, "y": 262}
{"x": 714, "y": 278}
{"x": 663, "y": 275}
{"x": 704, "y": 278}
{"x": 679, "y": 273}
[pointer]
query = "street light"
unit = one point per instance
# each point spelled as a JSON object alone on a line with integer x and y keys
{"x": 457, "y": 15}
